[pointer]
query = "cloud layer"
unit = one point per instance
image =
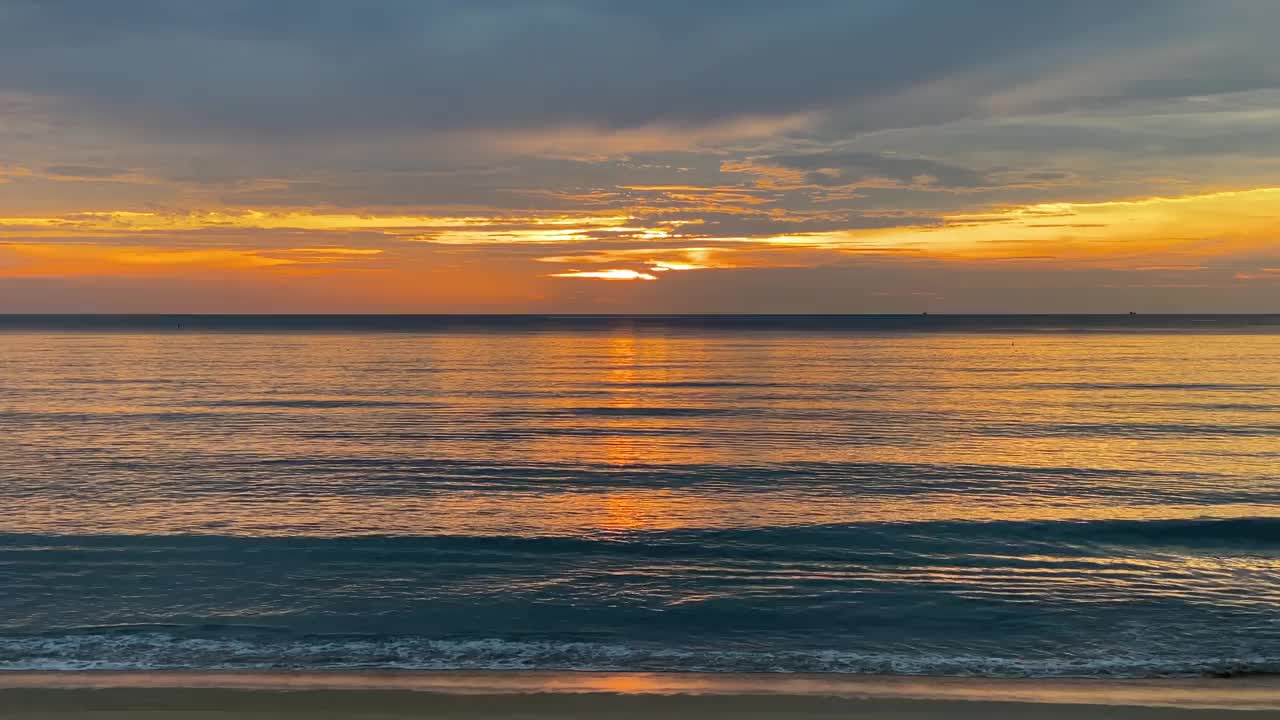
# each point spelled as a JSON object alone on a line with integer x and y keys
{"x": 447, "y": 155}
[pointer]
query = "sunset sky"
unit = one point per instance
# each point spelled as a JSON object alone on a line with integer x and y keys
{"x": 659, "y": 156}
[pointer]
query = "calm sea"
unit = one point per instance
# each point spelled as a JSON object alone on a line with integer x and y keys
{"x": 1001, "y": 496}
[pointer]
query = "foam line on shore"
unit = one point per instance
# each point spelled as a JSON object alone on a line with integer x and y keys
{"x": 1248, "y": 693}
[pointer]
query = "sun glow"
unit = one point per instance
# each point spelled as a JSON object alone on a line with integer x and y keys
{"x": 610, "y": 274}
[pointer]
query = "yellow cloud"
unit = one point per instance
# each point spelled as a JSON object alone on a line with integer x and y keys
{"x": 667, "y": 266}
{"x": 1118, "y": 232}
{"x": 655, "y": 260}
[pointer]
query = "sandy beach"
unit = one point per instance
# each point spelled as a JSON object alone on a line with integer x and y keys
{"x": 214, "y": 696}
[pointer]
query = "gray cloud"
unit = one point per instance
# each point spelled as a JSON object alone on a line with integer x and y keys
{"x": 299, "y": 67}
{"x": 84, "y": 172}
{"x": 852, "y": 168}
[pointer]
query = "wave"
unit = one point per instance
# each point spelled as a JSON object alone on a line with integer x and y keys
{"x": 999, "y": 599}
{"x": 1245, "y": 533}
{"x": 355, "y": 476}
{"x": 638, "y": 411}
{"x": 1151, "y": 386}
{"x": 146, "y": 648}
{"x": 709, "y": 384}
{"x": 319, "y": 404}
{"x": 1129, "y": 430}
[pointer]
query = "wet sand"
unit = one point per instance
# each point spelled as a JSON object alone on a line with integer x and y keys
{"x": 223, "y": 696}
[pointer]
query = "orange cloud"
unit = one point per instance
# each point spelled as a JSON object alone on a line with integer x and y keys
{"x": 8, "y": 172}
{"x": 1157, "y": 234}
{"x": 1262, "y": 274}
{"x": 27, "y": 259}
{"x": 115, "y": 222}
{"x": 593, "y": 143}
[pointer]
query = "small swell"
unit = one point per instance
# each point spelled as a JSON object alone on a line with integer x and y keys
{"x": 237, "y": 649}
{"x": 836, "y": 540}
{"x": 1229, "y": 387}
{"x": 319, "y": 404}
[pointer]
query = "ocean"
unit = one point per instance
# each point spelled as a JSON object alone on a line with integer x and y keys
{"x": 933, "y": 495}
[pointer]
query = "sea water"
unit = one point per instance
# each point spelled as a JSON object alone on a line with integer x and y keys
{"x": 994, "y": 496}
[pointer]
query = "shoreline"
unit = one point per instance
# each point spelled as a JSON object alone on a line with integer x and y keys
{"x": 1256, "y": 693}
